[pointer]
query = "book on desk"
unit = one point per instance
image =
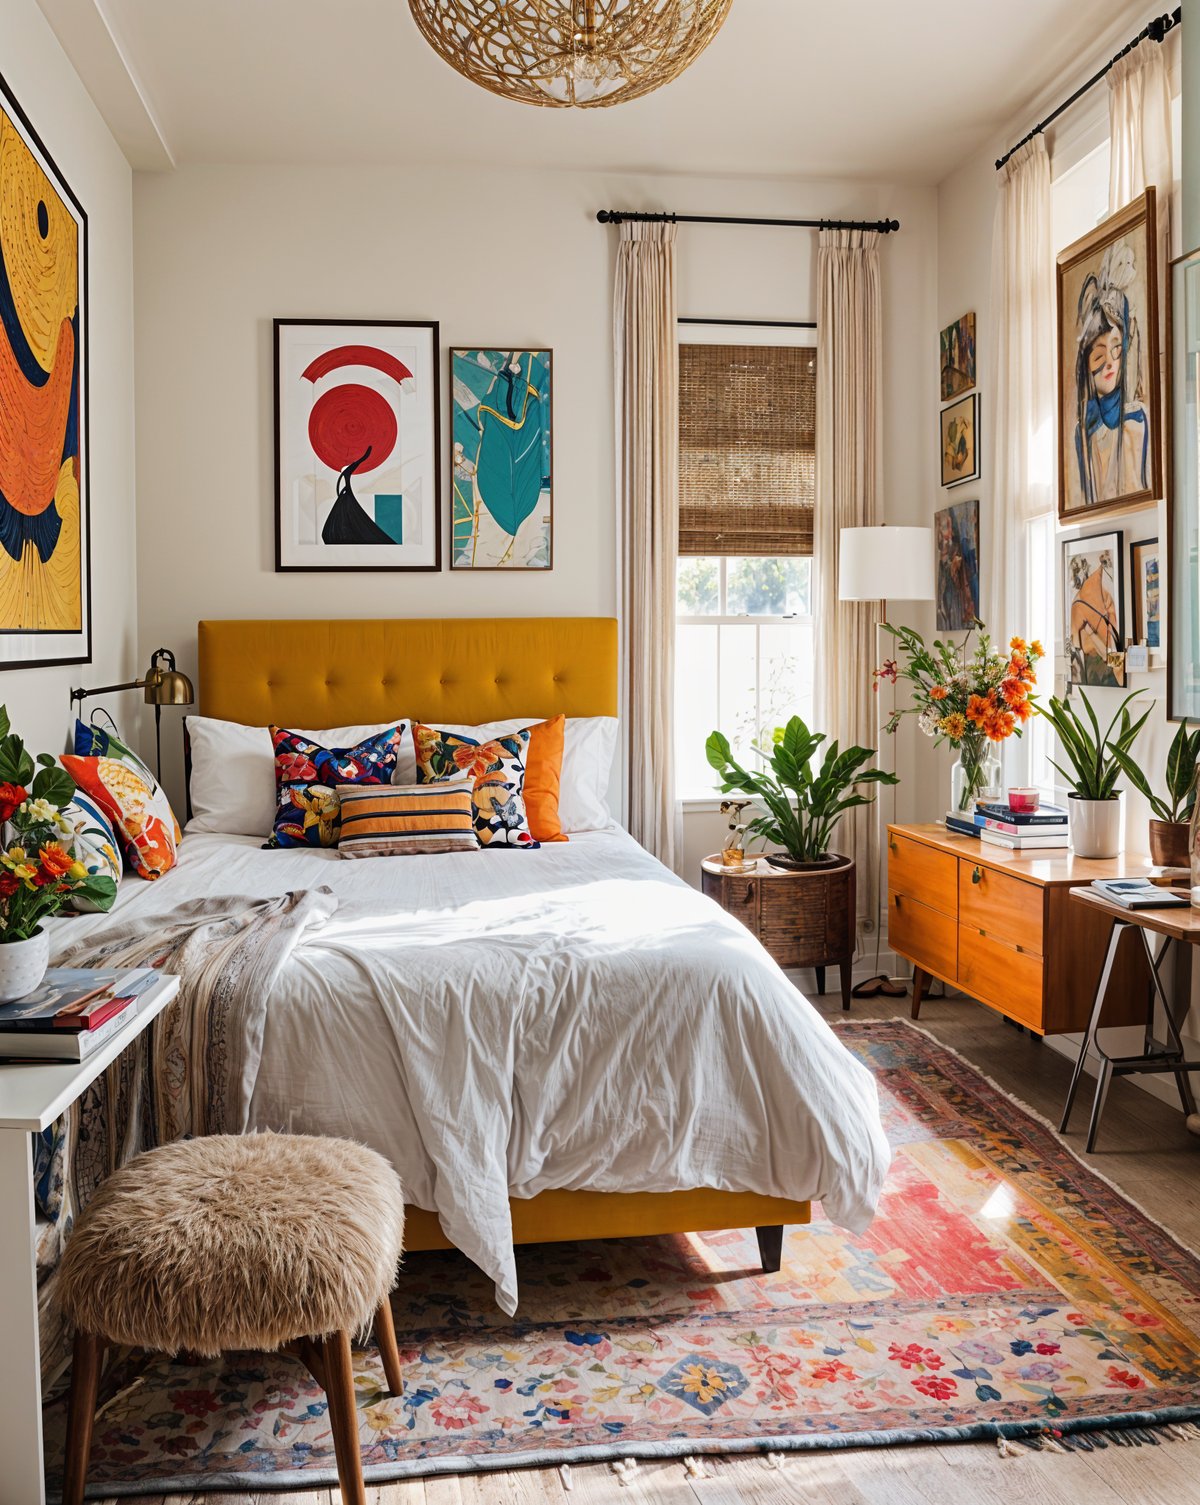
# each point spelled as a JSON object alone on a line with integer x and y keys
{"x": 72, "y": 1012}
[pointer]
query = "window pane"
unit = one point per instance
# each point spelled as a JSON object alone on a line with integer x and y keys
{"x": 696, "y": 713}
{"x": 697, "y": 587}
{"x": 739, "y": 690}
{"x": 785, "y": 675}
{"x": 769, "y": 587}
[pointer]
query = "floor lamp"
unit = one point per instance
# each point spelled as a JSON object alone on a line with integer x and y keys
{"x": 882, "y": 564}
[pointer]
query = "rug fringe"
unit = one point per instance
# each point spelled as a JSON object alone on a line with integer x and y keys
{"x": 695, "y": 1469}
{"x": 776, "y": 1460}
{"x": 1098, "y": 1439}
{"x": 564, "y": 1473}
{"x": 625, "y": 1469}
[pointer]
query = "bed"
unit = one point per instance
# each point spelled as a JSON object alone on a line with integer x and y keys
{"x": 471, "y": 1015}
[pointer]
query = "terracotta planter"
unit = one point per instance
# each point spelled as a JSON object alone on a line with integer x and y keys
{"x": 1169, "y": 843}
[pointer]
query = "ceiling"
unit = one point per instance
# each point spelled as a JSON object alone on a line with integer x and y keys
{"x": 892, "y": 90}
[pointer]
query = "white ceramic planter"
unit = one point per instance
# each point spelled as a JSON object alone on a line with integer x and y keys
{"x": 23, "y": 965}
{"x": 1094, "y": 827}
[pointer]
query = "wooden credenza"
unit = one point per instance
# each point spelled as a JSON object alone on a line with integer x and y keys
{"x": 999, "y": 926}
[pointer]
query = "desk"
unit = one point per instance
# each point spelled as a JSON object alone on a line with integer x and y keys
{"x": 1177, "y": 926}
{"x": 31, "y": 1098}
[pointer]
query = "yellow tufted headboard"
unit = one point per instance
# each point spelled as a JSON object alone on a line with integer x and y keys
{"x": 455, "y": 669}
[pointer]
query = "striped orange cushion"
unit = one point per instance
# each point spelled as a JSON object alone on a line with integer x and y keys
{"x": 393, "y": 820}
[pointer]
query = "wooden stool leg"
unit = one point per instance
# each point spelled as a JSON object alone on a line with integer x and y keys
{"x": 81, "y": 1414}
{"x": 343, "y": 1416}
{"x": 385, "y": 1336}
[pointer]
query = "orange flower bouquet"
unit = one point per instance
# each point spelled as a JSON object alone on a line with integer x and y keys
{"x": 969, "y": 697}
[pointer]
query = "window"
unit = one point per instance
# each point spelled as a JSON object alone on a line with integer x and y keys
{"x": 743, "y": 647}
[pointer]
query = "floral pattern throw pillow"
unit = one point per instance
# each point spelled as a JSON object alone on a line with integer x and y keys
{"x": 497, "y": 769}
{"x": 308, "y": 811}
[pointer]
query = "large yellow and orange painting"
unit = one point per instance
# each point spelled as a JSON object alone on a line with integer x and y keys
{"x": 44, "y": 609}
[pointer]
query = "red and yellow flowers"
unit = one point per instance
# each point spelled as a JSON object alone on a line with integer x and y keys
{"x": 964, "y": 696}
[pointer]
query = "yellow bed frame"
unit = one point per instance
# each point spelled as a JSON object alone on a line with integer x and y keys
{"x": 335, "y": 673}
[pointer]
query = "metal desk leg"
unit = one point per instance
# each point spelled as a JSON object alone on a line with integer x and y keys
{"x": 1102, "y": 1084}
{"x": 1175, "y": 1043}
{"x": 1089, "y": 1035}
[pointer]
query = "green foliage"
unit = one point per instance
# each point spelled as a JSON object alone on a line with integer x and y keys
{"x": 803, "y": 803}
{"x": 698, "y": 589}
{"x": 1182, "y": 757}
{"x": 1096, "y": 757}
{"x": 765, "y": 587}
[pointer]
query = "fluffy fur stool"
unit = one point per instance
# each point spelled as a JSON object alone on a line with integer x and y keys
{"x": 254, "y": 1241}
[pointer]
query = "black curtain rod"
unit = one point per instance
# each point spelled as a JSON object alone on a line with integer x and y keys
{"x": 755, "y": 323}
{"x": 1153, "y": 31}
{"x": 618, "y": 216}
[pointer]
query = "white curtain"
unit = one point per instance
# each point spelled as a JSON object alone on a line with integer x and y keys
{"x": 647, "y": 468}
{"x": 849, "y": 441}
{"x": 1020, "y": 388}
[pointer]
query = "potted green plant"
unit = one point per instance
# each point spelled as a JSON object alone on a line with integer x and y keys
{"x": 1171, "y": 819}
{"x": 1094, "y": 801}
{"x": 803, "y": 802}
{"x": 39, "y": 873}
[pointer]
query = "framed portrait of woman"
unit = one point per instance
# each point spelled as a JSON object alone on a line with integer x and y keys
{"x": 1094, "y": 618}
{"x": 1110, "y": 420}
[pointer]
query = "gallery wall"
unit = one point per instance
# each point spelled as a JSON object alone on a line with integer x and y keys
{"x": 497, "y": 258}
{"x": 48, "y": 89}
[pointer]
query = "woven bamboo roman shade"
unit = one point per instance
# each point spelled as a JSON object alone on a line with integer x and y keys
{"x": 747, "y": 452}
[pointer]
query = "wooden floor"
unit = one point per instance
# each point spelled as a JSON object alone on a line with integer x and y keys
{"x": 1143, "y": 1147}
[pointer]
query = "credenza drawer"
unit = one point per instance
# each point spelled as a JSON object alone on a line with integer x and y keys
{"x": 923, "y": 873}
{"x": 1001, "y": 905}
{"x": 926, "y": 936}
{"x": 1001, "y": 974}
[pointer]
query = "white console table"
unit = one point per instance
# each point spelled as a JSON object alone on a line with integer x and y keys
{"x": 31, "y": 1098}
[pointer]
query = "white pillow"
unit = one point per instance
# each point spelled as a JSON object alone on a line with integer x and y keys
{"x": 589, "y": 744}
{"x": 233, "y": 770}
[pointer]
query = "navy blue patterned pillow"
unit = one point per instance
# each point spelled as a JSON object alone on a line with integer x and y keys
{"x": 308, "y": 812}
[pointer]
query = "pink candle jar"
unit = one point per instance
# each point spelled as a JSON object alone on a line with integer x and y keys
{"x": 1023, "y": 801}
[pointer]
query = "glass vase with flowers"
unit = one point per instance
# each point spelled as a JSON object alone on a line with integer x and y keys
{"x": 972, "y": 695}
{"x": 39, "y": 873}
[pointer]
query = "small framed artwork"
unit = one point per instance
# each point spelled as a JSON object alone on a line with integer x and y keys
{"x": 1094, "y": 623}
{"x": 1110, "y": 424}
{"x": 45, "y": 533}
{"x": 502, "y": 460}
{"x": 357, "y": 480}
{"x": 956, "y": 539}
{"x": 960, "y": 441}
{"x": 958, "y": 357}
{"x": 1144, "y": 578}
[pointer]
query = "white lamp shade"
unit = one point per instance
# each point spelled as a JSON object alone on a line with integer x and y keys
{"x": 885, "y": 564}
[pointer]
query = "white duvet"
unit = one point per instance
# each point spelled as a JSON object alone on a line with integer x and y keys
{"x": 599, "y": 1025}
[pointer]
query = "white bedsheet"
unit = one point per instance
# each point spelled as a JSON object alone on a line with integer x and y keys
{"x": 601, "y": 1024}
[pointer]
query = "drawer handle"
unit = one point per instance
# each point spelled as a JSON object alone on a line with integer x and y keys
{"x": 977, "y": 877}
{"x": 892, "y": 847}
{"x": 749, "y": 891}
{"x": 896, "y": 897}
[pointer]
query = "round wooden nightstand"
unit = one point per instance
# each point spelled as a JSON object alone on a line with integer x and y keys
{"x": 803, "y": 919}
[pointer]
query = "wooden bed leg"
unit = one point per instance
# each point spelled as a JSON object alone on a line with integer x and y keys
{"x": 919, "y": 983}
{"x": 847, "y": 979}
{"x": 770, "y": 1248}
{"x": 820, "y": 972}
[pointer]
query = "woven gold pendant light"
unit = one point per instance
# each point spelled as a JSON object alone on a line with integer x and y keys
{"x": 587, "y": 53}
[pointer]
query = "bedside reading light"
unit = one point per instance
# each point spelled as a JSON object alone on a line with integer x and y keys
{"x": 164, "y": 684}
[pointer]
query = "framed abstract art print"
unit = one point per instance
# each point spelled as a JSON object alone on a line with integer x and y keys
{"x": 1094, "y": 614}
{"x": 357, "y": 480}
{"x": 960, "y": 441}
{"x": 957, "y": 354}
{"x": 501, "y": 465}
{"x": 1144, "y": 583}
{"x": 45, "y": 544}
{"x": 956, "y": 541}
{"x": 1110, "y": 425}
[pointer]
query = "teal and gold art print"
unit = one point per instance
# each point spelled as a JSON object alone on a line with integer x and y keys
{"x": 501, "y": 463}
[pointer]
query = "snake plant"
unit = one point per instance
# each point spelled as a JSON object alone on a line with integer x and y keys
{"x": 1182, "y": 757}
{"x": 1096, "y": 758}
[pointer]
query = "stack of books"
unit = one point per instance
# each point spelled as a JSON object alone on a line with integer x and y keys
{"x": 73, "y": 1011}
{"x": 999, "y": 825}
{"x": 1140, "y": 893}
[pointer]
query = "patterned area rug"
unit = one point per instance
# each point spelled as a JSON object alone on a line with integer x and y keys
{"x": 1003, "y": 1289}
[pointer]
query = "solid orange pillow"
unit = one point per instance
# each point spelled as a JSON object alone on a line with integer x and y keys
{"x": 543, "y": 775}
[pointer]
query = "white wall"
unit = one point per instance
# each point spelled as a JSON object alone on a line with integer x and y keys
{"x": 48, "y": 89}
{"x": 494, "y": 257}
